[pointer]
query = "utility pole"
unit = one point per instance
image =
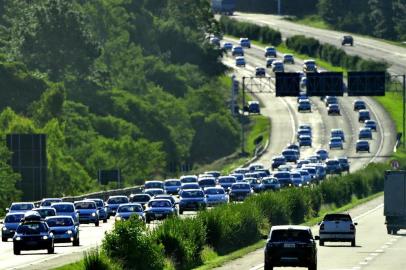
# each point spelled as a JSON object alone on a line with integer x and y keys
{"x": 404, "y": 110}
{"x": 279, "y": 7}
{"x": 234, "y": 91}
{"x": 242, "y": 118}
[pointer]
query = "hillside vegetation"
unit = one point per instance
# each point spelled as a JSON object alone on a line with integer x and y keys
{"x": 113, "y": 83}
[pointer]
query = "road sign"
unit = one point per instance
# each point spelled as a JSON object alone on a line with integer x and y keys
{"x": 287, "y": 84}
{"x": 324, "y": 84}
{"x": 366, "y": 83}
{"x": 106, "y": 176}
{"x": 395, "y": 164}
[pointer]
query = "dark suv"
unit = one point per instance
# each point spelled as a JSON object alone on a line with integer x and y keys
{"x": 291, "y": 246}
{"x": 347, "y": 40}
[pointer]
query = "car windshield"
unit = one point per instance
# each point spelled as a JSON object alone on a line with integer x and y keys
{"x": 296, "y": 175}
{"x": 160, "y": 204}
{"x": 46, "y": 212}
{"x": 188, "y": 180}
{"x": 117, "y": 200}
{"x": 290, "y": 235}
{"x": 335, "y": 140}
{"x": 99, "y": 203}
{"x": 343, "y": 160}
{"x": 332, "y": 162}
{"x": 214, "y": 191}
{"x": 269, "y": 181}
{"x": 129, "y": 208}
{"x": 49, "y": 202}
{"x": 207, "y": 182}
{"x": 241, "y": 186}
{"x": 32, "y": 228}
{"x": 22, "y": 207}
{"x": 13, "y": 218}
{"x": 64, "y": 208}
{"x": 337, "y": 217}
{"x": 173, "y": 183}
{"x": 192, "y": 194}
{"x": 282, "y": 175}
{"x": 226, "y": 180}
{"x": 153, "y": 185}
{"x": 85, "y": 205}
{"x": 59, "y": 222}
{"x": 141, "y": 198}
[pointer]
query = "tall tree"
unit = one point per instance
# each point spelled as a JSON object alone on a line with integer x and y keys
{"x": 399, "y": 18}
{"x": 382, "y": 18}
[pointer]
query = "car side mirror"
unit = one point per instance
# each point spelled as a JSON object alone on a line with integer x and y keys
{"x": 355, "y": 223}
{"x": 1, "y": 222}
{"x": 264, "y": 236}
{"x": 317, "y": 238}
{"x": 319, "y": 223}
{"x": 7, "y": 210}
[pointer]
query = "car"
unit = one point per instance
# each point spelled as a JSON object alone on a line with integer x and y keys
{"x": 239, "y": 191}
{"x": 290, "y": 245}
{"x": 113, "y": 202}
{"x": 290, "y": 155}
{"x": 283, "y": 178}
{"x": 260, "y": 72}
{"x": 10, "y": 224}
{"x": 45, "y": 211}
{"x": 359, "y": 105}
{"x": 252, "y": 175}
{"x": 253, "y": 107}
{"x": 333, "y": 109}
{"x": 255, "y": 183}
{"x": 329, "y": 100}
{"x": 256, "y": 167}
{"x": 294, "y": 146}
{"x": 237, "y": 51}
{"x": 263, "y": 173}
{"x": 277, "y": 161}
{"x": 303, "y": 83}
{"x": 172, "y": 186}
{"x": 296, "y": 178}
{"x": 336, "y": 142}
{"x": 215, "y": 196}
{"x": 245, "y": 43}
{"x": 347, "y": 40}
{"x": 306, "y": 127}
{"x": 226, "y": 181}
{"x": 88, "y": 212}
{"x": 337, "y": 228}
{"x": 270, "y": 51}
{"x": 238, "y": 176}
{"x": 344, "y": 163}
{"x": 321, "y": 170}
{"x": 306, "y": 177}
{"x": 154, "y": 184}
{"x": 188, "y": 179}
{"x": 192, "y": 200}
{"x": 140, "y": 198}
{"x": 227, "y": 46}
{"x": 337, "y": 132}
{"x": 240, "y": 61}
{"x": 285, "y": 168}
{"x": 46, "y": 202}
{"x": 304, "y": 106}
{"x": 269, "y": 61}
{"x": 270, "y": 183}
{"x": 312, "y": 172}
{"x": 278, "y": 66}
{"x": 309, "y": 66}
{"x": 363, "y": 115}
{"x": 167, "y": 197}
{"x": 126, "y": 210}
{"x": 154, "y": 191}
{"x": 215, "y": 41}
{"x": 301, "y": 132}
{"x": 314, "y": 159}
{"x": 66, "y": 209}
{"x": 370, "y": 124}
{"x": 20, "y": 207}
{"x": 322, "y": 153}
{"x": 305, "y": 140}
{"x": 362, "y": 146}
{"x": 33, "y": 234}
{"x": 215, "y": 174}
{"x": 188, "y": 186}
{"x": 159, "y": 209}
{"x": 365, "y": 134}
{"x": 301, "y": 162}
{"x": 333, "y": 166}
{"x": 288, "y": 58}
{"x": 242, "y": 170}
{"x": 101, "y": 208}
{"x": 207, "y": 182}
{"x": 64, "y": 229}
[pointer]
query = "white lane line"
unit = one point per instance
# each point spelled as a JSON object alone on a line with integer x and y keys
{"x": 368, "y": 212}
{"x": 257, "y": 267}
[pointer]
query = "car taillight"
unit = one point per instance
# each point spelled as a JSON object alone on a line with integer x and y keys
{"x": 321, "y": 227}
{"x": 352, "y": 227}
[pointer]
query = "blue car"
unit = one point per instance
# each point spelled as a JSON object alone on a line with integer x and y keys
{"x": 240, "y": 191}
{"x": 215, "y": 196}
{"x": 245, "y": 42}
{"x": 333, "y": 166}
{"x": 63, "y": 229}
{"x": 46, "y": 202}
{"x": 10, "y": 224}
{"x": 323, "y": 153}
{"x": 207, "y": 182}
{"x": 66, "y": 209}
{"x": 255, "y": 184}
{"x": 278, "y": 161}
{"x": 159, "y": 209}
{"x": 270, "y": 183}
{"x": 362, "y": 146}
{"x": 337, "y": 132}
{"x": 240, "y": 61}
{"x": 20, "y": 207}
{"x": 188, "y": 179}
{"x": 226, "y": 181}
{"x": 45, "y": 211}
{"x": 88, "y": 212}
{"x": 189, "y": 186}
{"x": 370, "y": 124}
{"x": 113, "y": 202}
{"x": 125, "y": 211}
{"x": 336, "y": 142}
{"x": 154, "y": 191}
{"x": 238, "y": 176}
{"x": 290, "y": 155}
{"x": 154, "y": 184}
{"x": 283, "y": 178}
{"x": 172, "y": 186}
{"x": 140, "y": 198}
{"x": 365, "y": 133}
{"x": 192, "y": 200}
{"x": 305, "y": 140}
{"x": 304, "y": 106}
{"x": 101, "y": 208}
{"x": 227, "y": 46}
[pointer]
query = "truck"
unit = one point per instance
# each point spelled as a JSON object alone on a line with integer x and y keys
{"x": 395, "y": 201}
{"x": 225, "y": 7}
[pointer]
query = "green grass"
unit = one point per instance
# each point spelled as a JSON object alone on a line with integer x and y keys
{"x": 392, "y": 101}
{"x": 72, "y": 266}
{"x": 260, "y": 126}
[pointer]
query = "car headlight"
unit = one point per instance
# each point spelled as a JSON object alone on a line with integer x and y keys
{"x": 4, "y": 229}
{"x": 118, "y": 218}
{"x": 18, "y": 238}
{"x": 69, "y": 232}
{"x": 93, "y": 214}
{"x": 45, "y": 237}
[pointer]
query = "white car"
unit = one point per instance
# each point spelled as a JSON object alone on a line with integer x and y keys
{"x": 337, "y": 228}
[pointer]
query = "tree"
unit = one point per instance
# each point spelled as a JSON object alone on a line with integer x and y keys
{"x": 382, "y": 18}
{"x": 399, "y": 18}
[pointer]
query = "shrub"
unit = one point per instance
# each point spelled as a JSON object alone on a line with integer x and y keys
{"x": 93, "y": 260}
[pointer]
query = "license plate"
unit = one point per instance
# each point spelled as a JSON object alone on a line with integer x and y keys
{"x": 289, "y": 245}
{"x": 240, "y": 197}
{"x": 31, "y": 243}
{"x": 158, "y": 215}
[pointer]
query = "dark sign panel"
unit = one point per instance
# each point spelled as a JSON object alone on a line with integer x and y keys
{"x": 325, "y": 84}
{"x": 287, "y": 84}
{"x": 366, "y": 83}
{"x": 106, "y": 176}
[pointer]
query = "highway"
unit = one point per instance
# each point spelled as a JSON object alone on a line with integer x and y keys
{"x": 363, "y": 47}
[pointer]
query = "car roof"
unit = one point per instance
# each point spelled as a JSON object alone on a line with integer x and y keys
{"x": 55, "y": 217}
{"x": 290, "y": 227}
{"x": 117, "y": 196}
{"x": 17, "y": 203}
{"x": 62, "y": 203}
{"x": 131, "y": 204}
{"x": 160, "y": 200}
{"x": 15, "y": 213}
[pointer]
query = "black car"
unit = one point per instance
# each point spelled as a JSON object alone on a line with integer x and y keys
{"x": 359, "y": 105}
{"x": 333, "y": 109}
{"x": 363, "y": 115}
{"x": 345, "y": 165}
{"x": 333, "y": 166}
{"x": 347, "y": 40}
{"x": 192, "y": 200}
{"x": 278, "y": 161}
{"x": 33, "y": 234}
{"x": 291, "y": 246}
{"x": 239, "y": 191}
{"x": 362, "y": 146}
{"x": 140, "y": 198}
{"x": 290, "y": 155}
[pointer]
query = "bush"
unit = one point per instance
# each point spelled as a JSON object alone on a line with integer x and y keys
{"x": 133, "y": 246}
{"x": 93, "y": 260}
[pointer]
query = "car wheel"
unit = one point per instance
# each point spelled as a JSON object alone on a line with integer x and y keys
{"x": 4, "y": 239}
{"x": 104, "y": 220}
{"x": 97, "y": 223}
{"x": 16, "y": 251}
{"x": 388, "y": 230}
{"x": 268, "y": 266}
{"x": 353, "y": 243}
{"x": 147, "y": 220}
{"x": 313, "y": 266}
{"x": 51, "y": 250}
{"x": 76, "y": 242}
{"x": 321, "y": 243}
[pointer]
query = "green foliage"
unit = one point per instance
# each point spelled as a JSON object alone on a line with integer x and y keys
{"x": 93, "y": 260}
